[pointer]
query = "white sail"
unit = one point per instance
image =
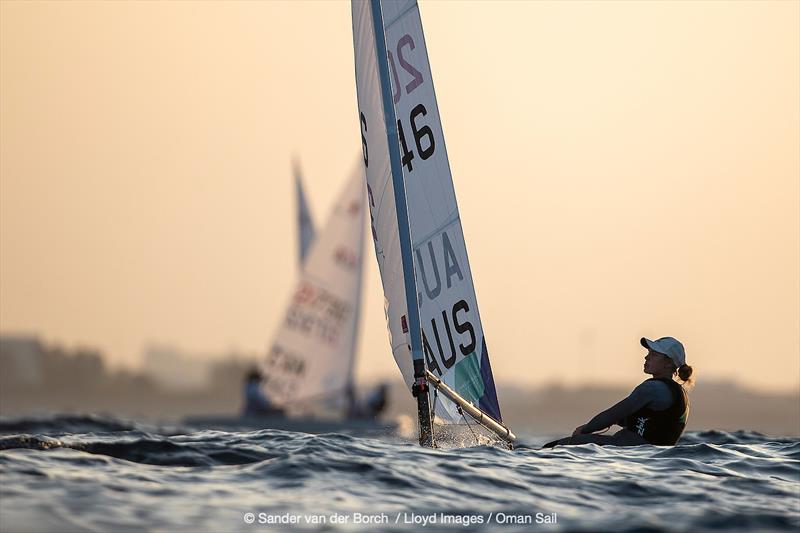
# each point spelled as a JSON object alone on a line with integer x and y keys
{"x": 452, "y": 335}
{"x": 305, "y": 224}
{"x": 312, "y": 354}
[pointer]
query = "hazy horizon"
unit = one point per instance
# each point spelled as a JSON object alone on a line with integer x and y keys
{"x": 622, "y": 170}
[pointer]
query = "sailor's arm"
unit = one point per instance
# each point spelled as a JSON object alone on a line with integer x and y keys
{"x": 615, "y": 413}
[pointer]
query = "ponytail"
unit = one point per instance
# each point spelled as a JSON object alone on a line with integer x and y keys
{"x": 685, "y": 373}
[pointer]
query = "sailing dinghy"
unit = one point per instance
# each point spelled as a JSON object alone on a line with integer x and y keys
{"x": 435, "y": 330}
{"x": 309, "y": 368}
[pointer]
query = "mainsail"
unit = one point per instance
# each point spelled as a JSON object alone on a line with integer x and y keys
{"x": 305, "y": 224}
{"x": 312, "y": 354}
{"x": 409, "y": 159}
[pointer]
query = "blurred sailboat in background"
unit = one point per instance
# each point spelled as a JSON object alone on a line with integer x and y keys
{"x": 308, "y": 370}
{"x": 312, "y": 354}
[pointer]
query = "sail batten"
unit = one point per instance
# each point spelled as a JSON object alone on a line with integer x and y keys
{"x": 398, "y": 16}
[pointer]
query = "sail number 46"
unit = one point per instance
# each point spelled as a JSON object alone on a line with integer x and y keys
{"x": 423, "y": 136}
{"x": 419, "y": 132}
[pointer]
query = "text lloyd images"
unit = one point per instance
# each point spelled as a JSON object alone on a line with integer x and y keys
{"x": 422, "y": 520}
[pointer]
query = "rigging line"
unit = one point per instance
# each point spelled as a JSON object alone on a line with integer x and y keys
{"x": 451, "y": 219}
{"x": 400, "y": 15}
{"x": 433, "y": 407}
{"x": 468, "y": 426}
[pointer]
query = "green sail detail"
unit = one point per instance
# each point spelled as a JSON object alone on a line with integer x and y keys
{"x": 468, "y": 380}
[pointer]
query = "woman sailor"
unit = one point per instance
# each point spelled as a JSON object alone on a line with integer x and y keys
{"x": 655, "y": 412}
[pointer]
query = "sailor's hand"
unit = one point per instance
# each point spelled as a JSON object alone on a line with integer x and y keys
{"x": 578, "y": 431}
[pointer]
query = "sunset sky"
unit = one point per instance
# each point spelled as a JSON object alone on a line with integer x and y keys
{"x": 623, "y": 169}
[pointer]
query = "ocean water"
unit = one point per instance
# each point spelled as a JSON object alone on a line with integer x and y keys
{"x": 85, "y": 473}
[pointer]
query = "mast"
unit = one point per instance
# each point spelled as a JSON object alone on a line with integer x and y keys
{"x": 420, "y": 387}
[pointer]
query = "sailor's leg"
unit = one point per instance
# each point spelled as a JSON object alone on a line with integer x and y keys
{"x": 592, "y": 439}
{"x": 582, "y": 439}
{"x": 621, "y": 438}
{"x": 626, "y": 437}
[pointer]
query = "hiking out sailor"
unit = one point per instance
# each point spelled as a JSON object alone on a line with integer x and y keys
{"x": 655, "y": 412}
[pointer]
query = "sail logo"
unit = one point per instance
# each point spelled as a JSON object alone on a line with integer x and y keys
{"x": 318, "y": 313}
{"x": 303, "y": 294}
{"x": 345, "y": 257}
{"x": 282, "y": 371}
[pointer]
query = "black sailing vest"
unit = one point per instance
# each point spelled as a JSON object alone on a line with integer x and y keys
{"x": 661, "y": 427}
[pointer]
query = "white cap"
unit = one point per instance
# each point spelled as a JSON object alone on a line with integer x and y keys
{"x": 668, "y": 346}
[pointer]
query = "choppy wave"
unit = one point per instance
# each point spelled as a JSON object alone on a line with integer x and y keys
{"x": 101, "y": 473}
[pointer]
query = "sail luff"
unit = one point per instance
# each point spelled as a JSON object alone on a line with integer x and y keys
{"x": 423, "y": 407}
